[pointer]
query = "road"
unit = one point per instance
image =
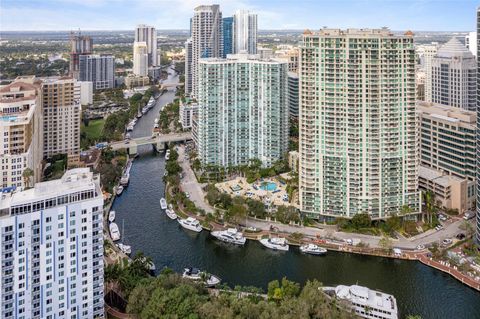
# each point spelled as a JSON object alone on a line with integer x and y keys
{"x": 189, "y": 182}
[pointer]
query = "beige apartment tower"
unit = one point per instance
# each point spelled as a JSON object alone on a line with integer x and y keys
{"x": 21, "y": 132}
{"x": 61, "y": 118}
{"x": 358, "y": 143}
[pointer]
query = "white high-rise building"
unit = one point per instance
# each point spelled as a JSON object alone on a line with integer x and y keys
{"x": 21, "y": 131}
{"x": 245, "y": 30}
{"x": 148, "y": 34}
{"x": 358, "y": 126}
{"x": 51, "y": 249}
{"x": 454, "y": 70}
{"x": 207, "y": 39}
{"x": 471, "y": 42}
{"x": 61, "y": 111}
{"x": 188, "y": 66}
{"x": 243, "y": 110}
{"x": 426, "y": 53}
{"x": 140, "y": 59}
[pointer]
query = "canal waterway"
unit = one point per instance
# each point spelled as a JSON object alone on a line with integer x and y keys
{"x": 418, "y": 289}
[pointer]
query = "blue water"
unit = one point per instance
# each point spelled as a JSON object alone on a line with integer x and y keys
{"x": 8, "y": 118}
{"x": 270, "y": 186}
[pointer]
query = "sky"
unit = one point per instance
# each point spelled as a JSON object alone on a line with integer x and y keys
{"x": 416, "y": 15}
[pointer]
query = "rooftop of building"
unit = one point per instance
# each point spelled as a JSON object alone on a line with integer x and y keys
{"x": 74, "y": 180}
{"x": 454, "y": 48}
{"x": 436, "y": 176}
{"x": 244, "y": 58}
{"x": 383, "y": 32}
{"x": 447, "y": 113}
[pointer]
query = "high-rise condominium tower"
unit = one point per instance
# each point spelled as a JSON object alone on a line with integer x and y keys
{"x": 478, "y": 130}
{"x": 454, "y": 76}
{"x": 428, "y": 51}
{"x": 245, "y": 32}
{"x": 207, "y": 38}
{"x": 243, "y": 111}
{"x": 98, "y": 69}
{"x": 79, "y": 45}
{"x": 140, "y": 59}
{"x": 51, "y": 243}
{"x": 61, "y": 110}
{"x": 148, "y": 34}
{"x": 21, "y": 131}
{"x": 188, "y": 65}
{"x": 358, "y": 144}
{"x": 227, "y": 36}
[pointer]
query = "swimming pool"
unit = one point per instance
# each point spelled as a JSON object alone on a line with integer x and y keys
{"x": 8, "y": 118}
{"x": 269, "y": 186}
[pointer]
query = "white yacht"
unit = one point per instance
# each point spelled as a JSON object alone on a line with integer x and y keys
{"x": 231, "y": 235}
{"x": 365, "y": 302}
{"x": 126, "y": 249}
{"x": 111, "y": 216}
{"x": 197, "y": 274}
{"x": 313, "y": 249}
{"x": 119, "y": 190}
{"x": 125, "y": 179}
{"x": 114, "y": 232}
{"x": 276, "y": 243}
{"x": 163, "y": 203}
{"x": 191, "y": 224}
{"x": 170, "y": 213}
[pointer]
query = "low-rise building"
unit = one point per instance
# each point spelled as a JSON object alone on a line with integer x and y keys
{"x": 188, "y": 109}
{"x": 133, "y": 80}
{"x": 51, "y": 239}
{"x": 86, "y": 92}
{"x": 451, "y": 192}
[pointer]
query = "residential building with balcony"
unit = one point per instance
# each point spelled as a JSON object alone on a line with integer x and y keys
{"x": 358, "y": 126}
{"x": 51, "y": 249}
{"x": 21, "y": 132}
{"x": 243, "y": 112}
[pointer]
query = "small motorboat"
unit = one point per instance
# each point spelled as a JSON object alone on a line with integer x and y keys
{"x": 114, "y": 232}
{"x": 126, "y": 249}
{"x": 190, "y": 223}
{"x": 119, "y": 190}
{"x": 171, "y": 214}
{"x": 111, "y": 216}
{"x": 276, "y": 243}
{"x": 198, "y": 275}
{"x": 163, "y": 203}
{"x": 231, "y": 235}
{"x": 313, "y": 249}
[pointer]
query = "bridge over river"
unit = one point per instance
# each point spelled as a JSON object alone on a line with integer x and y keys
{"x": 157, "y": 141}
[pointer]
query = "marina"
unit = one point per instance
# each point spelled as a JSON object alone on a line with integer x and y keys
{"x": 418, "y": 289}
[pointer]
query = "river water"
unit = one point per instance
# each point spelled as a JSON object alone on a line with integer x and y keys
{"x": 418, "y": 289}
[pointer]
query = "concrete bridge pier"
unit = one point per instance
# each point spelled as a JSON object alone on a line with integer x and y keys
{"x": 159, "y": 146}
{"x": 132, "y": 150}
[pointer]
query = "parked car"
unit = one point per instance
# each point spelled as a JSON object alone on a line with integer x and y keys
{"x": 447, "y": 241}
{"x": 420, "y": 247}
{"x": 468, "y": 215}
{"x": 442, "y": 217}
{"x": 187, "y": 194}
{"x": 439, "y": 227}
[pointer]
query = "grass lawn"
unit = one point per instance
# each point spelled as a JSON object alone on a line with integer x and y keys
{"x": 94, "y": 129}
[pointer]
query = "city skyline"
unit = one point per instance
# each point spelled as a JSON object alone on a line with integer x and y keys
{"x": 418, "y": 15}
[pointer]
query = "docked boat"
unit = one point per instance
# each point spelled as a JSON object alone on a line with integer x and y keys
{"x": 139, "y": 114}
{"x": 276, "y": 243}
{"x": 119, "y": 190}
{"x": 313, "y": 249}
{"x": 125, "y": 179}
{"x": 126, "y": 249}
{"x": 170, "y": 213}
{"x": 190, "y": 223}
{"x": 198, "y": 275}
{"x": 231, "y": 235}
{"x": 163, "y": 203}
{"x": 111, "y": 216}
{"x": 114, "y": 232}
{"x": 365, "y": 302}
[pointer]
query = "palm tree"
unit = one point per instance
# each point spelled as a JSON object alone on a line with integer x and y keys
{"x": 27, "y": 174}
{"x": 429, "y": 200}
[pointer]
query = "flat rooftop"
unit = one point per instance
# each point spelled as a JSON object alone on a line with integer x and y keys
{"x": 437, "y": 176}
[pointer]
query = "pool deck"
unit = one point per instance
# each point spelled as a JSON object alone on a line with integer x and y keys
{"x": 258, "y": 194}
